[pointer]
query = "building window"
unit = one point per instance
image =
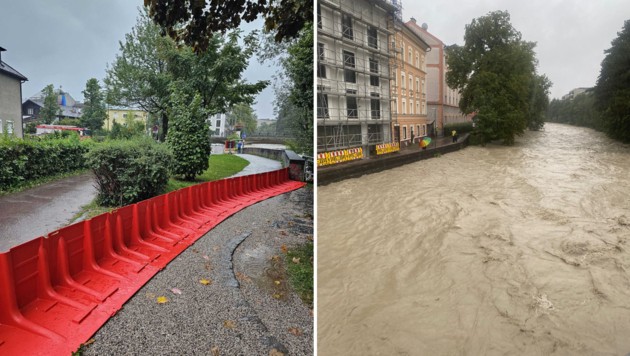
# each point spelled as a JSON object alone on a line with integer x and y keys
{"x": 411, "y": 132}
{"x": 418, "y": 108}
{"x": 402, "y": 76}
{"x": 322, "y": 105}
{"x": 395, "y": 106}
{"x": 319, "y": 16}
{"x": 411, "y": 107}
{"x": 374, "y": 80}
{"x": 218, "y": 123}
{"x": 417, "y": 86}
{"x": 348, "y": 61}
{"x": 372, "y": 37}
{"x": 351, "y": 104}
{"x": 321, "y": 67}
{"x": 410, "y": 85}
{"x": 9, "y": 127}
{"x": 417, "y": 61}
{"x": 30, "y": 111}
{"x": 410, "y": 58}
{"x": 1, "y": 127}
{"x": 404, "y": 132}
{"x": 375, "y": 105}
{"x": 404, "y": 107}
{"x": 346, "y": 26}
{"x": 217, "y": 132}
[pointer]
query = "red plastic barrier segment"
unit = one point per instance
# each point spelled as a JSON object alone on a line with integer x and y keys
{"x": 55, "y": 292}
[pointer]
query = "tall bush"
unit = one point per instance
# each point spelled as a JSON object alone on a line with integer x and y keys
{"x": 129, "y": 171}
{"x": 189, "y": 135}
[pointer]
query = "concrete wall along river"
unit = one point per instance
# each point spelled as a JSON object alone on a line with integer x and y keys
{"x": 488, "y": 250}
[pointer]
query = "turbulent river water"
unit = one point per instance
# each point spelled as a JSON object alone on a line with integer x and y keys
{"x": 485, "y": 251}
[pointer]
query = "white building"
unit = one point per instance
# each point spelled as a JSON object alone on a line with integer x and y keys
{"x": 217, "y": 125}
{"x": 353, "y": 74}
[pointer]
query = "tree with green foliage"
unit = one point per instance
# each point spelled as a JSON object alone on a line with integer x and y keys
{"x": 538, "y": 102}
{"x": 195, "y": 22}
{"x": 295, "y": 98}
{"x": 242, "y": 114}
{"x": 495, "y": 71}
{"x": 49, "y": 112}
{"x": 139, "y": 75}
{"x": 94, "y": 112}
{"x": 612, "y": 92}
{"x": 148, "y": 64}
{"x": 189, "y": 135}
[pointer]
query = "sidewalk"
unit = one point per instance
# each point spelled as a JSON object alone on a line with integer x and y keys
{"x": 38, "y": 211}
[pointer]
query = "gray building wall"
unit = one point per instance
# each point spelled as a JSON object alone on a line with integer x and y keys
{"x": 10, "y": 104}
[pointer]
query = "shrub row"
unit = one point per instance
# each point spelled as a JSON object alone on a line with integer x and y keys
{"x": 129, "y": 171}
{"x": 26, "y": 160}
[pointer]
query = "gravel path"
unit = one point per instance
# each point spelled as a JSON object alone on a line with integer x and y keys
{"x": 236, "y": 313}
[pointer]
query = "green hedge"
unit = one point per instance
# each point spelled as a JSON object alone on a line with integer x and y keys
{"x": 129, "y": 171}
{"x": 30, "y": 159}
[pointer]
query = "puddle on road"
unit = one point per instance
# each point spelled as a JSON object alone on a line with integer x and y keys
{"x": 266, "y": 270}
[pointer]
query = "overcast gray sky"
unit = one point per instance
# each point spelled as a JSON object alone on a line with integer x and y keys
{"x": 67, "y": 42}
{"x": 571, "y": 35}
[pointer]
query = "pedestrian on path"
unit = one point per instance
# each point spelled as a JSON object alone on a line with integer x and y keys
{"x": 454, "y": 134}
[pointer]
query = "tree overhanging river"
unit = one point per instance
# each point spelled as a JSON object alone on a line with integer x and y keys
{"x": 488, "y": 250}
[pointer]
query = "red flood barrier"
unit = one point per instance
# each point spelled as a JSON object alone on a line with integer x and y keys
{"x": 57, "y": 291}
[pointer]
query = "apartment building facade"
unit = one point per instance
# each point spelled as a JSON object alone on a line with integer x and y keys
{"x": 409, "y": 86}
{"x": 353, "y": 76}
{"x": 442, "y": 101}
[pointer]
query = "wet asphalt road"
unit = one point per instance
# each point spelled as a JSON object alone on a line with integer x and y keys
{"x": 38, "y": 211}
{"x": 35, "y": 212}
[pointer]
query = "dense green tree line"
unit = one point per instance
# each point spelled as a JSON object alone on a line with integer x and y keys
{"x": 606, "y": 107}
{"x": 612, "y": 92}
{"x": 579, "y": 111}
{"x": 495, "y": 71}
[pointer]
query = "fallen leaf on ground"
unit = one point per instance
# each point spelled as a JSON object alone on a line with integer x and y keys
{"x": 215, "y": 351}
{"x": 89, "y": 342}
{"x": 312, "y": 313}
{"x": 274, "y": 352}
{"x": 296, "y": 260}
{"x": 275, "y": 258}
{"x": 283, "y": 233}
{"x": 295, "y": 331}
{"x": 284, "y": 248}
{"x": 276, "y": 282}
{"x": 204, "y": 281}
{"x": 176, "y": 290}
{"x": 230, "y": 324}
{"x": 277, "y": 296}
{"x": 206, "y": 257}
{"x": 162, "y": 300}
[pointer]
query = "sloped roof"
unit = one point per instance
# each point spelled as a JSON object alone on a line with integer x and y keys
{"x": 7, "y": 69}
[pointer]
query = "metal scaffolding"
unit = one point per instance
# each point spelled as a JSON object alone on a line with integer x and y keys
{"x": 354, "y": 73}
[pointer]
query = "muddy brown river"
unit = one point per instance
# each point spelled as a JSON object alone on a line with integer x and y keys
{"x": 486, "y": 251}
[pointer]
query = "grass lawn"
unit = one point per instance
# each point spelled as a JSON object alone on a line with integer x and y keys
{"x": 221, "y": 166}
{"x": 299, "y": 264}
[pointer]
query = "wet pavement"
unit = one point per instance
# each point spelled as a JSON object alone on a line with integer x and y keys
{"x": 38, "y": 211}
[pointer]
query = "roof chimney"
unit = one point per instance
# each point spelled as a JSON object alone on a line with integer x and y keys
{"x": 413, "y": 20}
{"x": 1, "y": 50}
